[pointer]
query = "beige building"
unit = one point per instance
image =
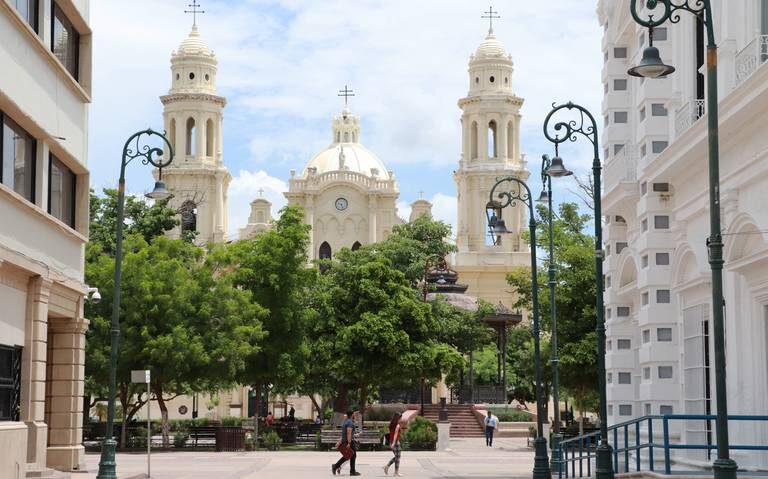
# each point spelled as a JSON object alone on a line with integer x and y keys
{"x": 45, "y": 89}
{"x": 348, "y": 195}
{"x": 490, "y": 126}
{"x": 192, "y": 115}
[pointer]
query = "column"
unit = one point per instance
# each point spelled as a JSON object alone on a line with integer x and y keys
{"x": 501, "y": 138}
{"x": 66, "y": 353}
{"x": 482, "y": 138}
{"x": 199, "y": 137}
{"x": 309, "y": 215}
{"x": 372, "y": 215}
{"x": 33, "y": 372}
{"x": 218, "y": 226}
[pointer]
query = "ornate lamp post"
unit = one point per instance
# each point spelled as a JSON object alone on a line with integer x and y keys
{"x": 546, "y": 198}
{"x": 519, "y": 191}
{"x": 134, "y": 148}
{"x": 569, "y": 131}
{"x": 651, "y": 66}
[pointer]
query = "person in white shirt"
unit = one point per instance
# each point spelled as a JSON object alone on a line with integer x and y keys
{"x": 491, "y": 422}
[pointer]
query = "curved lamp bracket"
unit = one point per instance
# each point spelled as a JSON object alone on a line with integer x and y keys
{"x": 136, "y": 147}
{"x": 670, "y": 10}
{"x": 569, "y": 130}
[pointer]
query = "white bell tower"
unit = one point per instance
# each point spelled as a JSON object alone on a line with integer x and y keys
{"x": 490, "y": 125}
{"x": 193, "y": 121}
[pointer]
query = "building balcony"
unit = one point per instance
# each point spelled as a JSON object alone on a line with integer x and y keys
{"x": 652, "y": 354}
{"x": 621, "y": 170}
{"x": 751, "y": 57}
{"x": 616, "y": 100}
{"x": 689, "y": 114}
{"x": 624, "y": 392}
{"x": 655, "y": 89}
{"x": 623, "y": 359}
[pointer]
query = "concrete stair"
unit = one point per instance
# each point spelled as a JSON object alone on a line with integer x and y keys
{"x": 462, "y": 419}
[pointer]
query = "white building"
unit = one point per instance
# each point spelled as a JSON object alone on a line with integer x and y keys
{"x": 660, "y": 356}
{"x": 45, "y": 89}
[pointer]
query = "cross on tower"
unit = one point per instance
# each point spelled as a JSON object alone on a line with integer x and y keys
{"x": 260, "y": 191}
{"x": 490, "y": 15}
{"x": 346, "y": 93}
{"x": 194, "y": 6}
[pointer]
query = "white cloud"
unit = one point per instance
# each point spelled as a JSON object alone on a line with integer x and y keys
{"x": 247, "y": 186}
{"x": 444, "y": 208}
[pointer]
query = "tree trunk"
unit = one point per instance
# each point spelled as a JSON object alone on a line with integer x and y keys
{"x": 316, "y": 406}
{"x": 340, "y": 405}
{"x": 163, "y": 415}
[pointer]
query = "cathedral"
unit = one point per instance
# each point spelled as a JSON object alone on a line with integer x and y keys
{"x": 348, "y": 194}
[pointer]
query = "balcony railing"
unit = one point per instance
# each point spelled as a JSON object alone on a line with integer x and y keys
{"x": 751, "y": 57}
{"x": 622, "y": 169}
{"x": 688, "y": 115}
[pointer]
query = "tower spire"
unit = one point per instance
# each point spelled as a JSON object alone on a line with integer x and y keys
{"x": 194, "y": 6}
{"x": 490, "y": 15}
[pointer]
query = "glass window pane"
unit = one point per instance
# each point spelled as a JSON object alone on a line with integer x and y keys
{"x": 625, "y": 378}
{"x": 625, "y": 409}
{"x": 625, "y": 343}
{"x": 661, "y": 222}
{"x": 660, "y": 34}
{"x": 662, "y": 296}
{"x": 620, "y": 116}
{"x": 18, "y": 160}
{"x": 620, "y": 52}
{"x": 664, "y": 334}
{"x": 658, "y": 109}
{"x": 61, "y": 193}
{"x": 65, "y": 41}
{"x": 665, "y": 410}
{"x": 665, "y": 372}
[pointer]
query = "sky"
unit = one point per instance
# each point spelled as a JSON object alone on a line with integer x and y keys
{"x": 282, "y": 62}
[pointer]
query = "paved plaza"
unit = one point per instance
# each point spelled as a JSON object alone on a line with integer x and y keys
{"x": 469, "y": 458}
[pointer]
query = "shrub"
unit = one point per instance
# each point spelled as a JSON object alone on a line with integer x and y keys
{"x": 180, "y": 438}
{"x": 383, "y": 412}
{"x": 232, "y": 421}
{"x": 137, "y": 438}
{"x": 512, "y": 415}
{"x": 271, "y": 441}
{"x": 250, "y": 441}
{"x": 421, "y": 435}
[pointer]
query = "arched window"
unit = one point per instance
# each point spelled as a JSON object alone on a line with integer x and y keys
{"x": 356, "y": 246}
{"x": 188, "y": 213}
{"x": 325, "y": 251}
{"x": 492, "y": 139}
{"x": 473, "y": 141}
{"x": 260, "y": 217}
{"x": 338, "y": 137}
{"x": 191, "y": 136}
{"x": 172, "y": 134}
{"x": 346, "y": 137}
{"x": 209, "y": 131}
{"x": 510, "y": 140}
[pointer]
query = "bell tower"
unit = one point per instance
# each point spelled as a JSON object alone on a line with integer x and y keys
{"x": 193, "y": 118}
{"x": 490, "y": 125}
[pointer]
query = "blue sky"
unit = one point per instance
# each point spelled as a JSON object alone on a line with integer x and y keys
{"x": 281, "y": 63}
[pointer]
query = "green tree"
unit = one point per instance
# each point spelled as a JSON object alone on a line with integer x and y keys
{"x": 180, "y": 317}
{"x": 372, "y": 329}
{"x": 273, "y": 267}
{"x": 574, "y": 299}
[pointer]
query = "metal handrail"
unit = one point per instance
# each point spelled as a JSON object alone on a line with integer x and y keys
{"x": 577, "y": 453}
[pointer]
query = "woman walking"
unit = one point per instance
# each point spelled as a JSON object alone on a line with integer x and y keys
{"x": 394, "y": 443}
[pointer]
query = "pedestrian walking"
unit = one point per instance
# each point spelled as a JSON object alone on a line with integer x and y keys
{"x": 491, "y": 422}
{"x": 394, "y": 444}
{"x": 346, "y": 446}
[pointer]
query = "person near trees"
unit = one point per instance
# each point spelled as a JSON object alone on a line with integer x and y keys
{"x": 346, "y": 446}
{"x": 292, "y": 414}
{"x": 394, "y": 443}
{"x": 270, "y": 419}
{"x": 491, "y": 422}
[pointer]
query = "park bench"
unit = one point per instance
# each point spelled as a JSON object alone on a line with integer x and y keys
{"x": 307, "y": 433}
{"x": 206, "y": 433}
{"x": 368, "y": 439}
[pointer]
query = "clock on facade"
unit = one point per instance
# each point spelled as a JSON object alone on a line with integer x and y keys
{"x": 341, "y": 204}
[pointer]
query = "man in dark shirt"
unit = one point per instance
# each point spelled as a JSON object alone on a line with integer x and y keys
{"x": 347, "y": 439}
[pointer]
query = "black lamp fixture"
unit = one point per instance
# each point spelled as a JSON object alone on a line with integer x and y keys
{"x": 557, "y": 169}
{"x": 543, "y": 197}
{"x": 160, "y": 192}
{"x": 651, "y": 65}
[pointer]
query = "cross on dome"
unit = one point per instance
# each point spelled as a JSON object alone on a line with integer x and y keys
{"x": 194, "y": 6}
{"x": 260, "y": 191}
{"x": 346, "y": 93}
{"x": 490, "y": 15}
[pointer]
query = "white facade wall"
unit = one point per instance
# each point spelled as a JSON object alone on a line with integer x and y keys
{"x": 42, "y": 256}
{"x": 656, "y": 208}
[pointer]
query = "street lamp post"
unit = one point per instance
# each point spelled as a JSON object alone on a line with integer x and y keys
{"x": 518, "y": 191}
{"x": 134, "y": 148}
{"x": 561, "y": 132}
{"x": 546, "y": 198}
{"x": 652, "y": 67}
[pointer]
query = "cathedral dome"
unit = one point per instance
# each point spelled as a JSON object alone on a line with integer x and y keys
{"x": 194, "y": 45}
{"x": 490, "y": 48}
{"x": 347, "y": 157}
